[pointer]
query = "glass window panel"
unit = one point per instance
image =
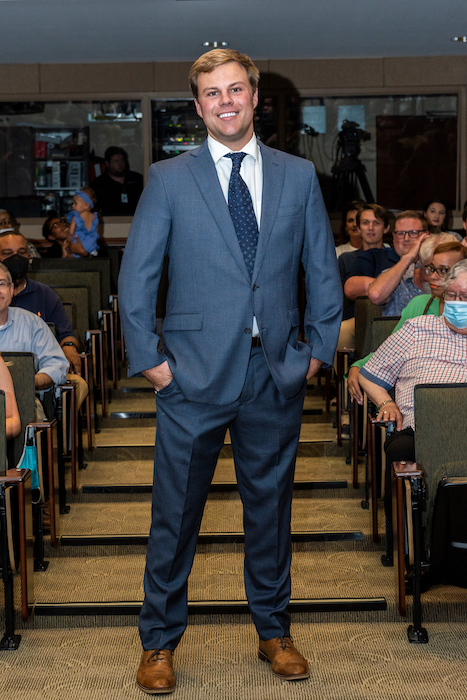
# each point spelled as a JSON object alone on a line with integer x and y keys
{"x": 398, "y": 150}
{"x": 176, "y": 126}
{"x": 47, "y": 149}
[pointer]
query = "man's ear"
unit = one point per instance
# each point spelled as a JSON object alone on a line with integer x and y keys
{"x": 255, "y": 98}
{"x": 198, "y": 108}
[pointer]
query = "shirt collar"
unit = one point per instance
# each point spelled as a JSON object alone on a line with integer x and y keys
{"x": 218, "y": 150}
{"x": 9, "y": 320}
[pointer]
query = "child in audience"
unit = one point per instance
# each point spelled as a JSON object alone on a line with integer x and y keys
{"x": 83, "y": 235}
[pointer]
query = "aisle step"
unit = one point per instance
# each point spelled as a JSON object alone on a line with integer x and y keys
{"x": 208, "y": 538}
{"x": 117, "y": 437}
{"x": 213, "y": 607}
{"x": 216, "y": 487}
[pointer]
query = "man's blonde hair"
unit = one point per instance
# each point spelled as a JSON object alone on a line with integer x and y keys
{"x": 219, "y": 57}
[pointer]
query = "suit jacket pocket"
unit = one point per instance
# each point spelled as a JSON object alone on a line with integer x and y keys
{"x": 183, "y": 322}
{"x": 289, "y": 210}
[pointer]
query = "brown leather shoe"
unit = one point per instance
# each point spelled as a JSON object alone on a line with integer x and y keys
{"x": 285, "y": 660}
{"x": 155, "y": 673}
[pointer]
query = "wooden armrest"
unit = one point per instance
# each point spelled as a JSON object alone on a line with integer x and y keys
{"x": 44, "y": 425}
{"x": 407, "y": 469}
{"x": 15, "y": 476}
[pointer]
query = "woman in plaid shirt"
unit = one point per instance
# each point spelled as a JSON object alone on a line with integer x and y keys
{"x": 426, "y": 350}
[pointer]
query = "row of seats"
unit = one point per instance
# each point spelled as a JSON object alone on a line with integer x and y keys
{"x": 85, "y": 289}
{"x": 429, "y": 496}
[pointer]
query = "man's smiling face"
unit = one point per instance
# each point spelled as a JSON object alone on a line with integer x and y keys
{"x": 226, "y": 103}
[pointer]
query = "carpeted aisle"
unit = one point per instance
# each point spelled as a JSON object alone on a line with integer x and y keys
{"x": 348, "y": 661}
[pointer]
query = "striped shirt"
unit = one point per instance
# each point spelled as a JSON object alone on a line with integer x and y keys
{"x": 424, "y": 351}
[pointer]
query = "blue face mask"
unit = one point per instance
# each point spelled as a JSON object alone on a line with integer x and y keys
{"x": 456, "y": 313}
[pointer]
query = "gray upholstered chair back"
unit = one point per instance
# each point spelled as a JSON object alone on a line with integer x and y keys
{"x": 440, "y": 438}
{"x": 90, "y": 280}
{"x": 76, "y": 303}
{"x": 365, "y": 311}
{"x": 99, "y": 265}
{"x": 381, "y": 328}
{"x": 3, "y": 460}
{"x": 21, "y": 366}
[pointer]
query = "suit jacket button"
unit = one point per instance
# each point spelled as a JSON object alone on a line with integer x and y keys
{"x": 255, "y": 287}
{"x": 247, "y": 330}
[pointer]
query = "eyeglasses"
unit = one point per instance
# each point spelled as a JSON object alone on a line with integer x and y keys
{"x": 4, "y": 283}
{"x": 452, "y": 296}
{"x": 441, "y": 271}
{"x": 412, "y": 234}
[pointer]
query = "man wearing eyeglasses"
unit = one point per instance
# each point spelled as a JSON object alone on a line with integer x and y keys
{"x": 388, "y": 275}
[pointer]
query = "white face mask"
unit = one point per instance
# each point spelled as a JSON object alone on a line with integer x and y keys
{"x": 456, "y": 313}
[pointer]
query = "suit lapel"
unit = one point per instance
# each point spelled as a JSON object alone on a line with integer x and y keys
{"x": 204, "y": 172}
{"x": 273, "y": 178}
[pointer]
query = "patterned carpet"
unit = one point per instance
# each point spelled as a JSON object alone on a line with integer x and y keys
{"x": 217, "y": 659}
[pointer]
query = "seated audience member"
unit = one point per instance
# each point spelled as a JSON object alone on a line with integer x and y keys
{"x": 22, "y": 331}
{"x": 13, "y": 421}
{"x": 9, "y": 223}
{"x": 41, "y": 299}
{"x": 57, "y": 231}
{"x": 437, "y": 266}
{"x": 373, "y": 222}
{"x": 428, "y": 349}
{"x": 388, "y": 276}
{"x": 428, "y": 247}
{"x": 118, "y": 190}
{"x": 436, "y": 213}
{"x": 349, "y": 231}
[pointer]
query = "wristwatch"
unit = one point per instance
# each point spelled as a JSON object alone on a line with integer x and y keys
{"x": 68, "y": 343}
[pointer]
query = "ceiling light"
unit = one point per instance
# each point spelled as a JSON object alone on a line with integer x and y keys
{"x": 460, "y": 38}
{"x": 215, "y": 44}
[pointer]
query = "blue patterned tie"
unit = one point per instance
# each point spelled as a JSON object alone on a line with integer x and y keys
{"x": 242, "y": 212}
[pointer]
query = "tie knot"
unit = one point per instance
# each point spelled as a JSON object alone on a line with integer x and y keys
{"x": 236, "y": 160}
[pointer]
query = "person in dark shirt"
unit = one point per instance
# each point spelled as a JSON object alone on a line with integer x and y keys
{"x": 373, "y": 222}
{"x": 118, "y": 190}
{"x": 56, "y": 231}
{"x": 388, "y": 275}
{"x": 36, "y": 297}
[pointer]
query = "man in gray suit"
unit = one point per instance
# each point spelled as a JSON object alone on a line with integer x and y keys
{"x": 235, "y": 219}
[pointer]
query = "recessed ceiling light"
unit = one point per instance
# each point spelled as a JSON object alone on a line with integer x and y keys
{"x": 463, "y": 39}
{"x": 215, "y": 44}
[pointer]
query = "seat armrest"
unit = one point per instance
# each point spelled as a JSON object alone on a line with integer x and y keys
{"x": 43, "y": 425}
{"x": 15, "y": 476}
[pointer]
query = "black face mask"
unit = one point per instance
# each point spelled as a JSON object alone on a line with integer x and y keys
{"x": 18, "y": 266}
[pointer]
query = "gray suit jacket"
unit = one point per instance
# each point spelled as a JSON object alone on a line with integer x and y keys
{"x": 211, "y": 300}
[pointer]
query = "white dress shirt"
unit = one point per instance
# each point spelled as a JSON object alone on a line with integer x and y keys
{"x": 251, "y": 171}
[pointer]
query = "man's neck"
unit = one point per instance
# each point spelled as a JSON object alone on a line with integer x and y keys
{"x": 4, "y": 317}
{"x": 118, "y": 178}
{"x": 19, "y": 286}
{"x": 369, "y": 246}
